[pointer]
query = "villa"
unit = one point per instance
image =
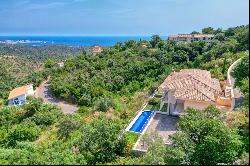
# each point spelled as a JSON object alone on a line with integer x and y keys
{"x": 18, "y": 95}
{"x": 192, "y": 88}
{"x": 188, "y": 88}
{"x": 188, "y": 38}
{"x": 96, "y": 49}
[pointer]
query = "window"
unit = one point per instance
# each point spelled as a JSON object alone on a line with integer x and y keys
{"x": 16, "y": 101}
{"x": 22, "y": 102}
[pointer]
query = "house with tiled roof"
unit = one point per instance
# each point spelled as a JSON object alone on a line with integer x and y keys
{"x": 96, "y": 49}
{"x": 188, "y": 38}
{"x": 193, "y": 88}
{"x": 18, "y": 95}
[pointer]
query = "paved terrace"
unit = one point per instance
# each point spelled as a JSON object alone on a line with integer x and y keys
{"x": 165, "y": 125}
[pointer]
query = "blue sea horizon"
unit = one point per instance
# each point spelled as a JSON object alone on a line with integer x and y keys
{"x": 70, "y": 40}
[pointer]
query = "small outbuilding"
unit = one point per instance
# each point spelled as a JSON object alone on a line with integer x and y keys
{"x": 18, "y": 95}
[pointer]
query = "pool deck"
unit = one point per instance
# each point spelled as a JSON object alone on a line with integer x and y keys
{"x": 165, "y": 125}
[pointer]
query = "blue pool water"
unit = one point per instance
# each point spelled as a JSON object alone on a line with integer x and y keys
{"x": 141, "y": 122}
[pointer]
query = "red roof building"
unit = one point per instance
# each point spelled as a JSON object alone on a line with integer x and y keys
{"x": 96, "y": 49}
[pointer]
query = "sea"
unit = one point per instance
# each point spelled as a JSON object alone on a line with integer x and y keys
{"x": 70, "y": 40}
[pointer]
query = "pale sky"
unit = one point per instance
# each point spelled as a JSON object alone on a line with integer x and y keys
{"x": 118, "y": 17}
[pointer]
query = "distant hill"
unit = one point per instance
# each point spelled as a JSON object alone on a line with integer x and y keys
{"x": 41, "y": 53}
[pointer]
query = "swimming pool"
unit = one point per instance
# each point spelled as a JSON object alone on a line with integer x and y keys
{"x": 141, "y": 121}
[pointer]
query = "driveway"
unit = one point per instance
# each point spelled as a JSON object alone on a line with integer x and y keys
{"x": 43, "y": 92}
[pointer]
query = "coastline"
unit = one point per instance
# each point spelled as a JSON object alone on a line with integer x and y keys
{"x": 69, "y": 40}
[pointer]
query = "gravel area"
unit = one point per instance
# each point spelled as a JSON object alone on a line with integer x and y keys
{"x": 49, "y": 98}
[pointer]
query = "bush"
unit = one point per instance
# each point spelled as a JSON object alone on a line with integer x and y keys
{"x": 100, "y": 141}
{"x": 152, "y": 102}
{"x": 155, "y": 102}
{"x": 104, "y": 103}
{"x": 84, "y": 110}
{"x": 46, "y": 116}
{"x": 198, "y": 131}
{"x": 33, "y": 105}
{"x": 25, "y": 131}
{"x": 124, "y": 114}
{"x": 8, "y": 116}
{"x": 68, "y": 124}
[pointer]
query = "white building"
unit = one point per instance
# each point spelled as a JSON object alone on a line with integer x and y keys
{"x": 188, "y": 38}
{"x": 18, "y": 95}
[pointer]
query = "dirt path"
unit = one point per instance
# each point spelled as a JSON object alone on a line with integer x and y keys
{"x": 43, "y": 92}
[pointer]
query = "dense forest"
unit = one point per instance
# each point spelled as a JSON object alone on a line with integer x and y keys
{"x": 109, "y": 88}
{"x": 126, "y": 68}
{"x": 41, "y": 53}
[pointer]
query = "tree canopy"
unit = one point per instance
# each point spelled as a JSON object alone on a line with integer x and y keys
{"x": 203, "y": 139}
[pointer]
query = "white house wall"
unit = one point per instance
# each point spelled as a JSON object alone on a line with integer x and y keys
{"x": 30, "y": 91}
{"x": 21, "y": 99}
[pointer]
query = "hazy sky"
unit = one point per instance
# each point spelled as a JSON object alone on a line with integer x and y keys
{"x": 118, "y": 17}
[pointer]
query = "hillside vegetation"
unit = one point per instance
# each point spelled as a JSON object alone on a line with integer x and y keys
{"x": 17, "y": 71}
{"x": 110, "y": 88}
{"x": 40, "y": 53}
{"x": 124, "y": 69}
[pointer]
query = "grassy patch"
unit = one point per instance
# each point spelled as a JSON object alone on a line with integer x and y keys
{"x": 132, "y": 137}
{"x": 149, "y": 107}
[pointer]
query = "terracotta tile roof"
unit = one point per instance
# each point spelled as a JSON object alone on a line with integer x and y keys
{"x": 18, "y": 91}
{"x": 191, "y": 35}
{"x": 96, "y": 49}
{"x": 192, "y": 84}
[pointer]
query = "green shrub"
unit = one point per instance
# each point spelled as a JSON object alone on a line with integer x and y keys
{"x": 149, "y": 107}
{"x": 84, "y": 110}
{"x": 155, "y": 102}
{"x": 100, "y": 141}
{"x": 104, "y": 103}
{"x": 67, "y": 125}
{"x": 8, "y": 116}
{"x": 47, "y": 116}
{"x": 25, "y": 131}
{"x": 132, "y": 137}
